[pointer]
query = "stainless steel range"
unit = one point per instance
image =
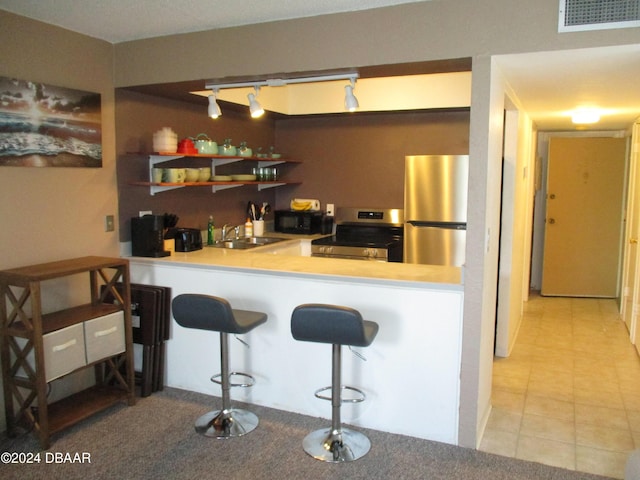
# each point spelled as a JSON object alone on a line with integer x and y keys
{"x": 364, "y": 234}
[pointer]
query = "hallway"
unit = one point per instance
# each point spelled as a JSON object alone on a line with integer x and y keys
{"x": 569, "y": 394}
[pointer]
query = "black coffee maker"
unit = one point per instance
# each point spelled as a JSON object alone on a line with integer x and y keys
{"x": 147, "y": 236}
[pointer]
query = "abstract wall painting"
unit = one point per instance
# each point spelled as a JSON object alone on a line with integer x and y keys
{"x": 48, "y": 126}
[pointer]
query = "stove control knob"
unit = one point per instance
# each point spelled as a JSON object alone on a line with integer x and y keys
{"x": 373, "y": 252}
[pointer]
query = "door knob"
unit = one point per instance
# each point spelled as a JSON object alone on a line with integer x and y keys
{"x": 552, "y": 196}
{"x": 552, "y": 221}
{"x": 633, "y": 240}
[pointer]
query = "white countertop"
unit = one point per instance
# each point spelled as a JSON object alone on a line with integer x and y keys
{"x": 259, "y": 259}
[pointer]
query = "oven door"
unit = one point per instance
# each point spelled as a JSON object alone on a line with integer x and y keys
{"x": 350, "y": 252}
{"x": 349, "y": 257}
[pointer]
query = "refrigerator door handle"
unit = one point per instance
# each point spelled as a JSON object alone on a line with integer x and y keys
{"x": 450, "y": 225}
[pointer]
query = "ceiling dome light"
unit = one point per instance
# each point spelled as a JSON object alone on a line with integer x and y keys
{"x": 254, "y": 106}
{"x": 585, "y": 116}
{"x": 350, "y": 101}
{"x": 214, "y": 109}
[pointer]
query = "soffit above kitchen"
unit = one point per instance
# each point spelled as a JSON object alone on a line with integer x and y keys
{"x": 432, "y": 85}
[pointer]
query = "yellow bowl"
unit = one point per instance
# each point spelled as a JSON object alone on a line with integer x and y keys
{"x": 192, "y": 174}
{"x": 204, "y": 174}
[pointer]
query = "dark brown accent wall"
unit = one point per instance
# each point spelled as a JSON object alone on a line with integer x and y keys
{"x": 138, "y": 117}
{"x": 358, "y": 160}
{"x": 348, "y": 160}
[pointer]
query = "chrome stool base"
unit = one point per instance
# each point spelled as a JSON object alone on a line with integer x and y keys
{"x": 333, "y": 446}
{"x": 226, "y": 423}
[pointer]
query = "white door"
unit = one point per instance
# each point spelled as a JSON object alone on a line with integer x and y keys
{"x": 585, "y": 184}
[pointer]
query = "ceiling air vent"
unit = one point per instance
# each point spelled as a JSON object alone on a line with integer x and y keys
{"x": 578, "y": 15}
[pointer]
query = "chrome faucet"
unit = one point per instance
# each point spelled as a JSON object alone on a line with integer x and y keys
{"x": 225, "y": 232}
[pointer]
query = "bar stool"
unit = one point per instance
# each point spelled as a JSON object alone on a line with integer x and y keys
{"x": 205, "y": 312}
{"x": 339, "y": 326}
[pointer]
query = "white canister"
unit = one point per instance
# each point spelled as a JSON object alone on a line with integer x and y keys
{"x": 165, "y": 140}
{"x": 258, "y": 228}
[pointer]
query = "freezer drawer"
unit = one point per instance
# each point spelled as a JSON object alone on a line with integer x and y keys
{"x": 104, "y": 336}
{"x": 63, "y": 351}
{"x": 434, "y": 245}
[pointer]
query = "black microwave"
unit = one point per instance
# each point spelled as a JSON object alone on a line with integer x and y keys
{"x": 302, "y": 222}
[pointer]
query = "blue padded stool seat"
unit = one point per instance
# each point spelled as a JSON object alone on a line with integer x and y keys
{"x": 206, "y": 312}
{"x": 338, "y": 326}
{"x": 315, "y": 322}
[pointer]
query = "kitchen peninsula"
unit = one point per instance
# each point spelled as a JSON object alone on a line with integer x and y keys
{"x": 412, "y": 373}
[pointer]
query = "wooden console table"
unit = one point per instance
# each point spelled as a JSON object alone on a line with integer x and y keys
{"x": 37, "y": 348}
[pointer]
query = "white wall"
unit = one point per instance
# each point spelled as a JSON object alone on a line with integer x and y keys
{"x": 487, "y": 97}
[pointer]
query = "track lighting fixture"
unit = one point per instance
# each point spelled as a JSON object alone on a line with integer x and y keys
{"x": 214, "y": 109}
{"x": 254, "y": 106}
{"x": 350, "y": 101}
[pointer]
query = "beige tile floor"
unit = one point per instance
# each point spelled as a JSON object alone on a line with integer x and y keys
{"x": 569, "y": 394}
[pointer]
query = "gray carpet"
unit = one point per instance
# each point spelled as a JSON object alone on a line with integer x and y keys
{"x": 156, "y": 439}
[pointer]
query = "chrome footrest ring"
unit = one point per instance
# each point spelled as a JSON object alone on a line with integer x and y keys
{"x": 357, "y": 399}
{"x": 250, "y": 383}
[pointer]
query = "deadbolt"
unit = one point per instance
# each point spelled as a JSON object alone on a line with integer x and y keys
{"x": 552, "y": 221}
{"x": 552, "y": 196}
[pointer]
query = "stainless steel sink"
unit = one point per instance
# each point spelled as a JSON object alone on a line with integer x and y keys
{"x": 236, "y": 244}
{"x": 246, "y": 243}
{"x": 262, "y": 240}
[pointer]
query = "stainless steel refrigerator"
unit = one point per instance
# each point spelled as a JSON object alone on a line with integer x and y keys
{"x": 435, "y": 209}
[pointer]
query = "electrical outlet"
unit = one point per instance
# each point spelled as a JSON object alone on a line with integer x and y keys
{"x": 330, "y": 210}
{"x": 109, "y": 225}
{"x": 142, "y": 213}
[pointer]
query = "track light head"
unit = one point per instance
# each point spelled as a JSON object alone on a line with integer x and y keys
{"x": 214, "y": 109}
{"x": 350, "y": 101}
{"x": 254, "y": 106}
